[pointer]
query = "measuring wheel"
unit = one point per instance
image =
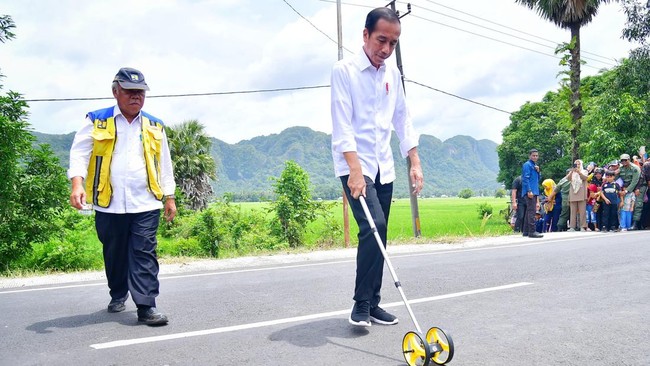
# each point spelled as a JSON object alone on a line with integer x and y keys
{"x": 441, "y": 346}
{"x": 416, "y": 350}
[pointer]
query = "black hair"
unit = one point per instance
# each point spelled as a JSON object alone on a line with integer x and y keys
{"x": 380, "y": 13}
{"x": 532, "y": 151}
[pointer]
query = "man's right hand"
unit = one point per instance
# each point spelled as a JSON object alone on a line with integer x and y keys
{"x": 78, "y": 195}
{"x": 357, "y": 184}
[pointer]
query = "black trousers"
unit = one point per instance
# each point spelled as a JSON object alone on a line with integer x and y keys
{"x": 528, "y": 226}
{"x": 521, "y": 209}
{"x": 129, "y": 246}
{"x": 370, "y": 262}
{"x": 610, "y": 216}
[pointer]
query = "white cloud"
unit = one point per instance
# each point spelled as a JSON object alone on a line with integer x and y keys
{"x": 72, "y": 49}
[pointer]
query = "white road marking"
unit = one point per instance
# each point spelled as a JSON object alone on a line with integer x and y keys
{"x": 234, "y": 328}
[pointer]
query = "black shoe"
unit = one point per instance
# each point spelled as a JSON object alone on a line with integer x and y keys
{"x": 116, "y": 306}
{"x": 535, "y": 235}
{"x": 360, "y": 315}
{"x": 151, "y": 316}
{"x": 381, "y": 316}
{"x": 524, "y": 234}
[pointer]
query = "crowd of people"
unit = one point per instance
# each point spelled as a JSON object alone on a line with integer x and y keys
{"x": 611, "y": 197}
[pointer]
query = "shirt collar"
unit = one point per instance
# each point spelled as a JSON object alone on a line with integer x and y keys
{"x": 118, "y": 112}
{"x": 364, "y": 63}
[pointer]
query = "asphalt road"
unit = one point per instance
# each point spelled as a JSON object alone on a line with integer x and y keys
{"x": 561, "y": 300}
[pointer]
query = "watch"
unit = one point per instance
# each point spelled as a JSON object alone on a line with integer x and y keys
{"x": 170, "y": 196}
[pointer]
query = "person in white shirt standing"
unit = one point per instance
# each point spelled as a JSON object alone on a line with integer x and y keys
{"x": 367, "y": 103}
{"x": 121, "y": 165}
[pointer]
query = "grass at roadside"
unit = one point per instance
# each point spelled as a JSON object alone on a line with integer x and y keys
{"x": 442, "y": 220}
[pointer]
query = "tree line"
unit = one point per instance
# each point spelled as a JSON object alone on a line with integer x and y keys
{"x": 598, "y": 117}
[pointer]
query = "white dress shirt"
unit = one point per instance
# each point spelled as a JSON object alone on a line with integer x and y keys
{"x": 128, "y": 169}
{"x": 367, "y": 103}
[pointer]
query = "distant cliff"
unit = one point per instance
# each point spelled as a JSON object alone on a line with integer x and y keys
{"x": 244, "y": 168}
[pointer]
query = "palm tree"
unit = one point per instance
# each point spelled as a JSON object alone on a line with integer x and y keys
{"x": 572, "y": 15}
{"x": 194, "y": 166}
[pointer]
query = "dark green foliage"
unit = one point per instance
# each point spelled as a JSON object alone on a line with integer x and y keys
{"x": 33, "y": 188}
{"x": 194, "y": 166}
{"x": 7, "y": 26}
{"x": 637, "y": 26}
{"x": 543, "y": 126}
{"x": 220, "y": 230}
{"x": 465, "y": 193}
{"x": 74, "y": 248}
{"x": 293, "y": 207}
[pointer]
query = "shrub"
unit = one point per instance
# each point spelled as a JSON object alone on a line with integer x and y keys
{"x": 223, "y": 227}
{"x": 500, "y": 193}
{"x": 484, "y": 210}
{"x": 465, "y": 193}
{"x": 293, "y": 208}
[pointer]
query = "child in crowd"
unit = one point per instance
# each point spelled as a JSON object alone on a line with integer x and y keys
{"x": 626, "y": 211}
{"x": 539, "y": 222}
{"x": 592, "y": 194}
{"x": 610, "y": 195}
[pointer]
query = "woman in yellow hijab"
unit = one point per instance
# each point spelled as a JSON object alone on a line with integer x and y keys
{"x": 552, "y": 207}
{"x": 549, "y": 185}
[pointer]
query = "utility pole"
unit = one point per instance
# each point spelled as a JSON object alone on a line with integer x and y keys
{"x": 415, "y": 211}
{"x": 346, "y": 214}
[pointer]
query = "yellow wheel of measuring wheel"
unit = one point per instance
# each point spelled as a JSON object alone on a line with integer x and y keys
{"x": 416, "y": 350}
{"x": 441, "y": 345}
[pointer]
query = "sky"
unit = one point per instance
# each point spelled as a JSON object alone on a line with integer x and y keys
{"x": 496, "y": 53}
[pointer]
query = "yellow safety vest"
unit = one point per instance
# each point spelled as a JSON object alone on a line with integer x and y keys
{"x": 98, "y": 179}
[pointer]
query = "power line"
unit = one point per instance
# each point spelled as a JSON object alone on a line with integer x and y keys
{"x": 313, "y": 25}
{"x": 187, "y": 94}
{"x": 496, "y": 40}
{"x": 510, "y": 28}
{"x": 458, "y": 96}
{"x": 608, "y": 63}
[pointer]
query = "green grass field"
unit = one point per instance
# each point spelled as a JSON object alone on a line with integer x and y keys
{"x": 440, "y": 219}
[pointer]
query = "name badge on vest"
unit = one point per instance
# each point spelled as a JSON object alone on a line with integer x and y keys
{"x": 102, "y": 124}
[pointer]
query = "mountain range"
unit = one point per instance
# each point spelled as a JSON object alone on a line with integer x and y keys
{"x": 245, "y": 169}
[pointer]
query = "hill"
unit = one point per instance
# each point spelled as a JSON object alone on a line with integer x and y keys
{"x": 244, "y": 169}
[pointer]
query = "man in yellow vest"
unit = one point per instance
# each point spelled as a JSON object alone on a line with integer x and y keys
{"x": 120, "y": 165}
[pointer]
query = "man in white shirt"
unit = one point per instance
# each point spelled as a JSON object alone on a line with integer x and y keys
{"x": 120, "y": 163}
{"x": 367, "y": 102}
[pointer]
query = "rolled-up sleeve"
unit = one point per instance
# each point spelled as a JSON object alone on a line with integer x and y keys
{"x": 80, "y": 151}
{"x": 341, "y": 107}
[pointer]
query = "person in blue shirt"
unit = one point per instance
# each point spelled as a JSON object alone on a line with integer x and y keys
{"x": 529, "y": 192}
{"x": 610, "y": 194}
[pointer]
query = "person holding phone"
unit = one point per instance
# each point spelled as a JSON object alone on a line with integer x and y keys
{"x": 530, "y": 178}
